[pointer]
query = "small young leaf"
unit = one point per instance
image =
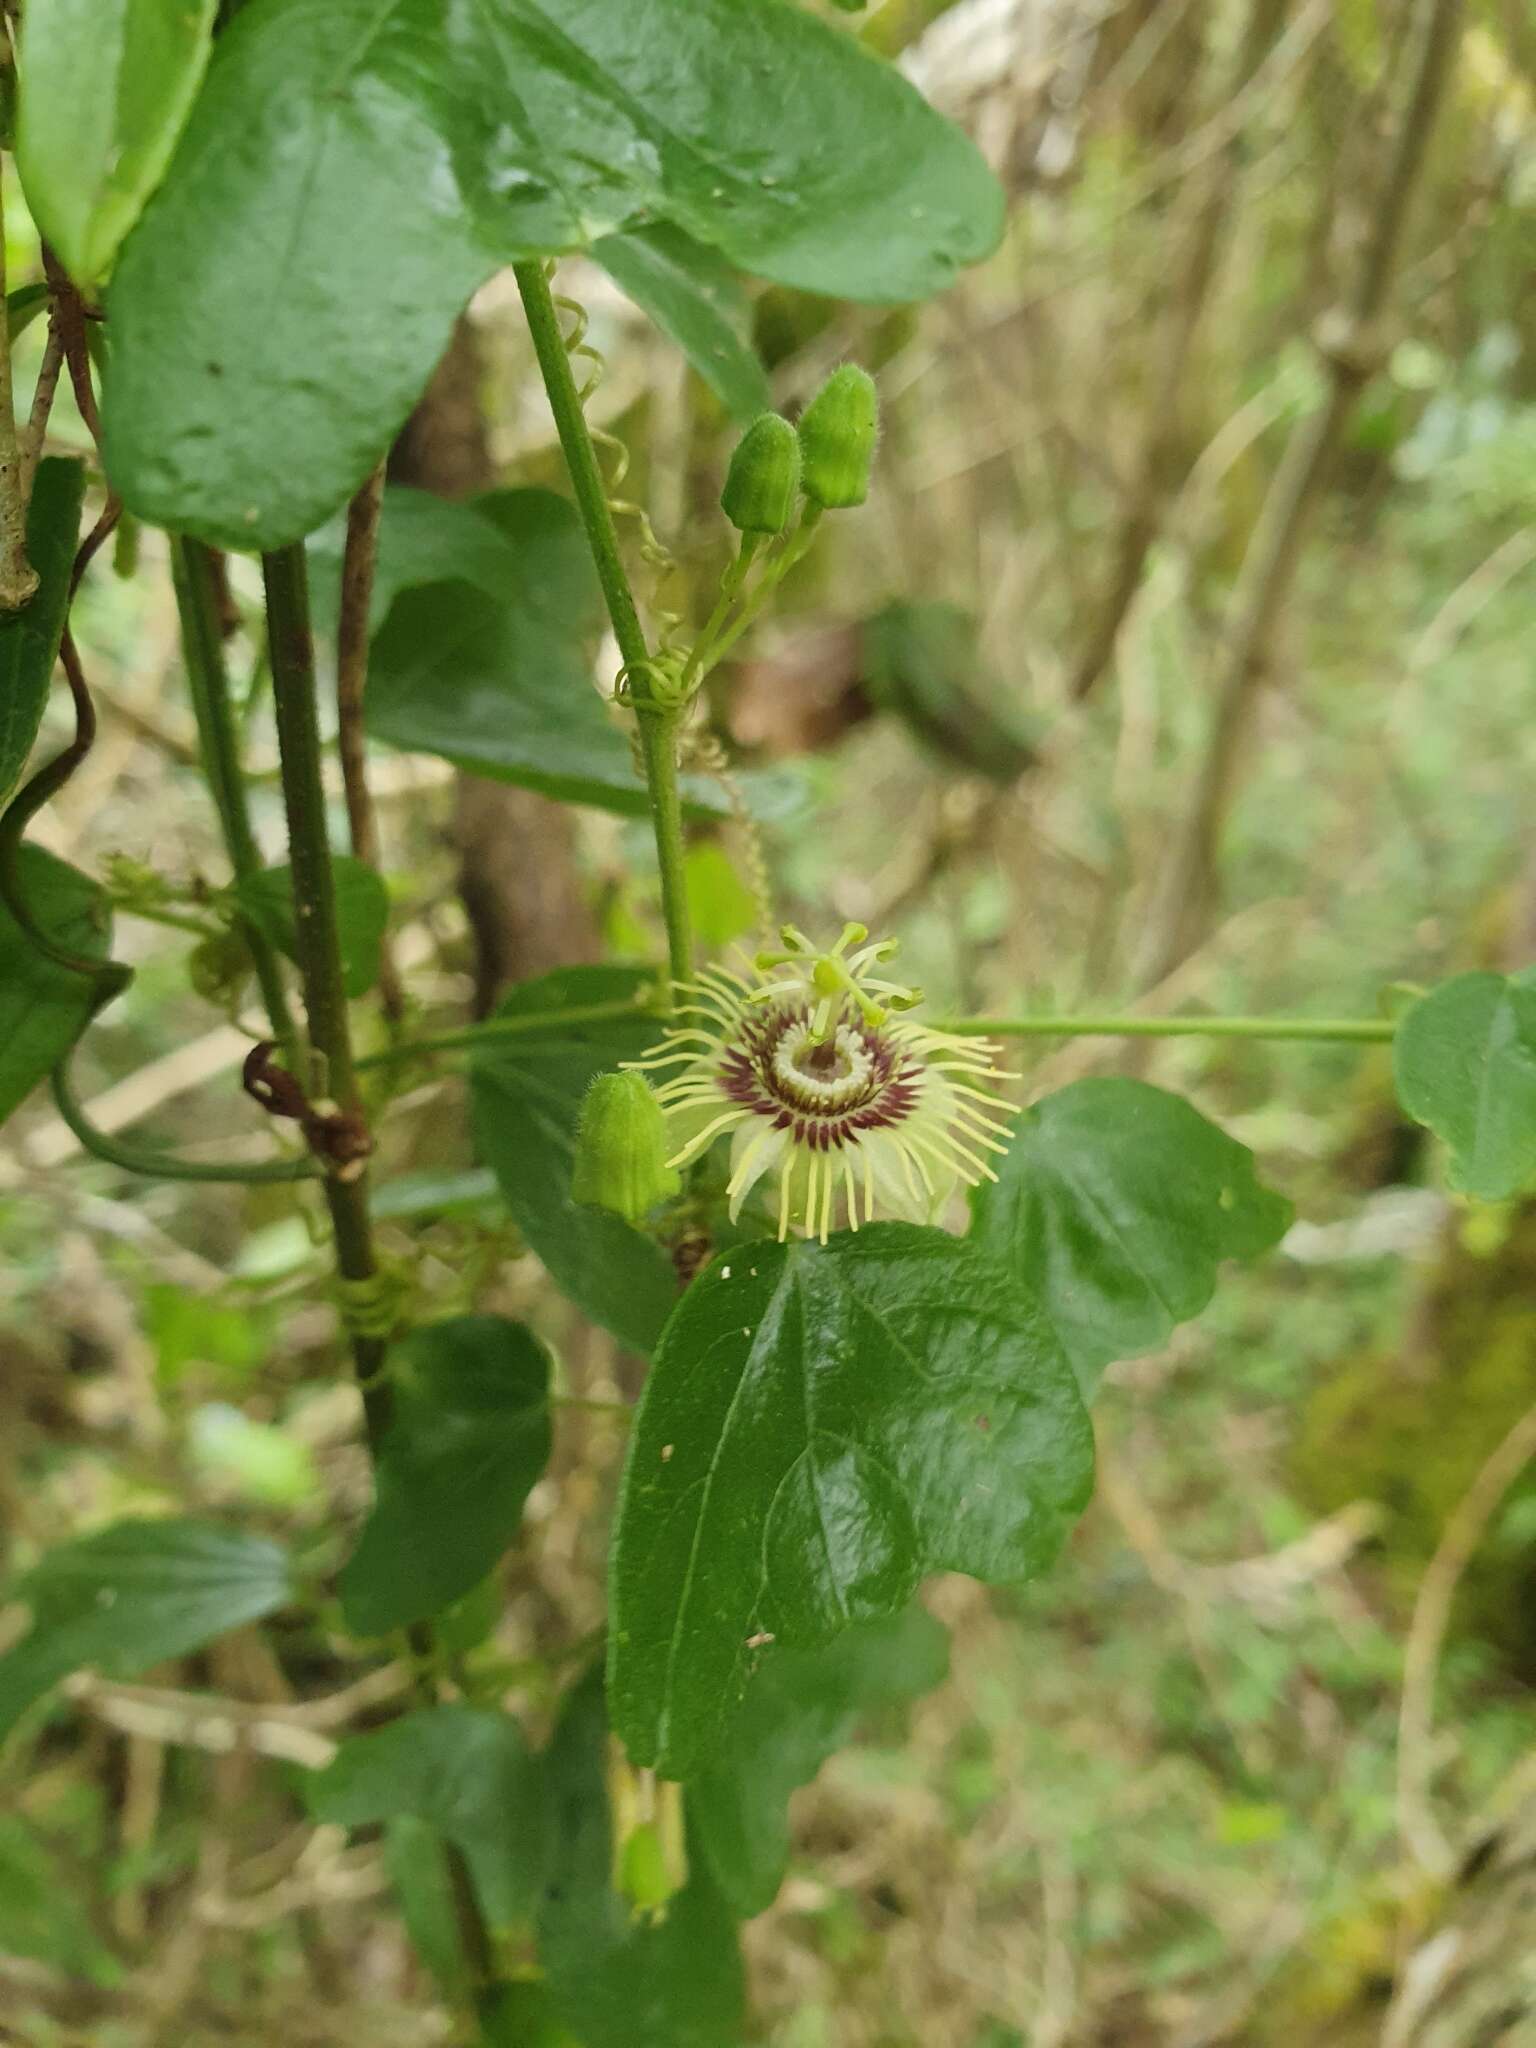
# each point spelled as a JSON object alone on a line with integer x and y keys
{"x": 801, "y": 1707}
{"x": 106, "y": 89}
{"x": 694, "y": 297}
{"x": 468, "y": 1437}
{"x": 132, "y": 1595}
{"x": 526, "y": 1093}
{"x": 823, "y": 1424}
{"x": 362, "y": 912}
{"x": 1466, "y": 1069}
{"x": 1116, "y": 1204}
{"x": 45, "y": 1007}
{"x": 619, "y": 1981}
{"x": 466, "y": 1772}
{"x": 29, "y": 639}
{"x": 413, "y": 1856}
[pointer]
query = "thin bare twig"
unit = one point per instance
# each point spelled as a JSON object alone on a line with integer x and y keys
{"x": 1350, "y": 342}
{"x": 1209, "y": 208}
{"x": 352, "y": 633}
{"x": 42, "y": 406}
{"x": 1421, "y": 1833}
{"x": 18, "y": 579}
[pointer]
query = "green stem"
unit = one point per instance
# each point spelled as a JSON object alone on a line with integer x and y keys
{"x": 494, "y": 1028}
{"x": 712, "y": 652}
{"x": 156, "y": 1165}
{"x": 699, "y": 663}
{"x": 1379, "y": 1029}
{"x": 219, "y": 741}
{"x": 658, "y": 720}
{"x": 1338, "y": 1029}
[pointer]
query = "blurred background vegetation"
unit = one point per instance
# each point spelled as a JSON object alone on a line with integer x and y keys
{"x": 1158, "y": 1801}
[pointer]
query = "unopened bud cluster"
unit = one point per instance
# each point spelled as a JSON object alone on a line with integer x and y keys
{"x": 827, "y": 460}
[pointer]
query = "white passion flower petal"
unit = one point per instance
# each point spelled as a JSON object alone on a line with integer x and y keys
{"x": 826, "y": 1084}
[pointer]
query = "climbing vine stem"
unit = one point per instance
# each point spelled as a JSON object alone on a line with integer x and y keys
{"x": 219, "y": 743}
{"x": 658, "y": 718}
{"x": 1348, "y": 1030}
{"x": 364, "y": 1288}
{"x": 318, "y": 944}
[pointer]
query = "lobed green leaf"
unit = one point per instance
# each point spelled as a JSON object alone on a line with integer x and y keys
{"x": 525, "y": 1096}
{"x": 1465, "y": 1056}
{"x": 695, "y": 298}
{"x": 823, "y": 1425}
{"x": 362, "y": 913}
{"x": 134, "y": 1594}
{"x": 464, "y": 1771}
{"x": 799, "y": 1708}
{"x": 44, "y": 1007}
{"x": 1116, "y": 1203}
{"x": 29, "y": 639}
{"x": 468, "y": 1437}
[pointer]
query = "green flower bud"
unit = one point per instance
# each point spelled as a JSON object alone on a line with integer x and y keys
{"x": 650, "y": 1850}
{"x": 837, "y": 439}
{"x": 621, "y": 1149}
{"x": 759, "y": 494}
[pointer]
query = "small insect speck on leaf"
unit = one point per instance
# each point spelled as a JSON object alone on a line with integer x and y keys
{"x": 666, "y": 1452}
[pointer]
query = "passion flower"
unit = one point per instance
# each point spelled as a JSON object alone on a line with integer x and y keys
{"x": 824, "y": 1081}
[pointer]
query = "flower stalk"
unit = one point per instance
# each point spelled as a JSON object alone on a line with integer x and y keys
{"x": 658, "y": 715}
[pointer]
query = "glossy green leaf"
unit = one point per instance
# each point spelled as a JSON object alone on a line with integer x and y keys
{"x": 800, "y": 1707}
{"x": 468, "y": 1437}
{"x": 1466, "y": 1068}
{"x": 362, "y": 913}
{"x": 42, "y": 1909}
{"x": 525, "y": 1094}
{"x": 523, "y": 2014}
{"x": 282, "y": 301}
{"x": 106, "y": 89}
{"x": 29, "y": 639}
{"x": 483, "y": 657}
{"x": 465, "y": 676}
{"x": 823, "y": 1425}
{"x": 45, "y": 1007}
{"x": 1116, "y": 1204}
{"x": 618, "y": 1981}
{"x": 353, "y": 170}
{"x": 466, "y": 1772}
{"x": 717, "y": 115}
{"x": 134, "y": 1594}
{"x": 695, "y": 298}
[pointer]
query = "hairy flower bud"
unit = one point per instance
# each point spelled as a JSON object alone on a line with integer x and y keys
{"x": 837, "y": 439}
{"x": 764, "y": 477}
{"x": 621, "y": 1149}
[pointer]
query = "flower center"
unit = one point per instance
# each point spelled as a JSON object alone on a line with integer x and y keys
{"x": 822, "y": 1076}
